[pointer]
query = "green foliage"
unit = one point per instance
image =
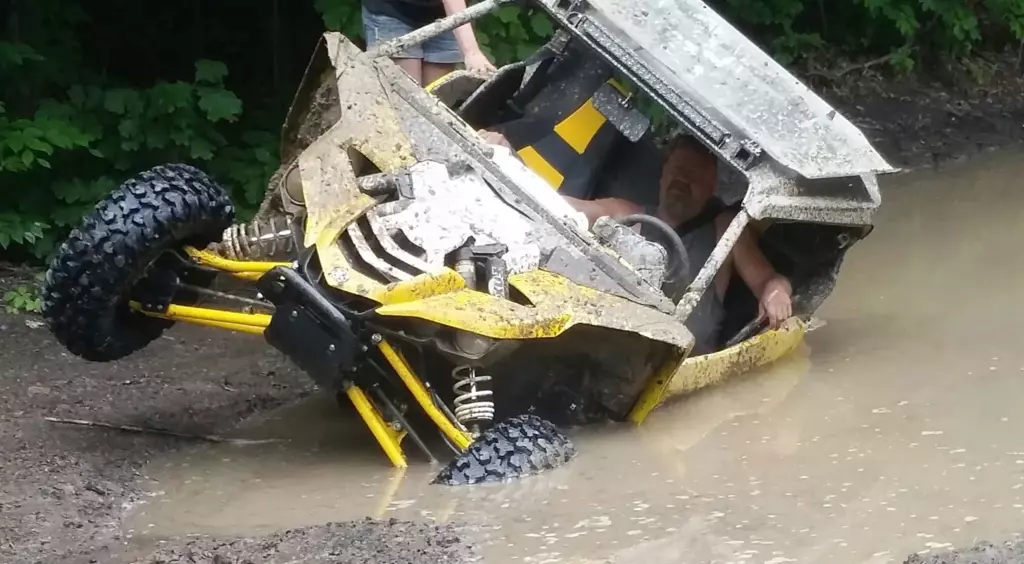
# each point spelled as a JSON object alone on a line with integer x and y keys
{"x": 797, "y": 29}
{"x": 61, "y": 152}
{"x": 512, "y": 33}
{"x": 23, "y": 299}
{"x": 341, "y": 15}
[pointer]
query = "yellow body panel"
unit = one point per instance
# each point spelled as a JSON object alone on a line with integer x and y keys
{"x": 483, "y": 314}
{"x": 705, "y": 370}
{"x": 368, "y": 126}
{"x": 456, "y": 85}
{"x": 346, "y": 278}
{"x": 557, "y": 305}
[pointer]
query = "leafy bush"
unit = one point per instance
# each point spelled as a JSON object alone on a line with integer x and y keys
{"x": 796, "y": 29}
{"x": 68, "y": 135}
{"x": 23, "y": 299}
{"x": 509, "y": 35}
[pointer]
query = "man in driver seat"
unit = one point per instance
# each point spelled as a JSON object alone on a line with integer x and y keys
{"x": 685, "y": 200}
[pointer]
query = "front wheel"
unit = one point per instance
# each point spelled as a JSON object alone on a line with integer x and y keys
{"x": 88, "y": 285}
{"x": 519, "y": 446}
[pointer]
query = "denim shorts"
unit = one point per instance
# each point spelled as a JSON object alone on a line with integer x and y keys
{"x": 443, "y": 49}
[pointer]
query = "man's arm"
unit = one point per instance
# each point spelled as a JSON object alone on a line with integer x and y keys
{"x": 614, "y": 208}
{"x": 475, "y": 59}
{"x": 773, "y": 291}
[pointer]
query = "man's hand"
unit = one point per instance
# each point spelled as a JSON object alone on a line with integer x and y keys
{"x": 776, "y": 303}
{"x": 494, "y": 138}
{"x": 476, "y": 61}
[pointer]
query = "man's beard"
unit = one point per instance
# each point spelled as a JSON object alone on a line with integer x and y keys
{"x": 676, "y": 203}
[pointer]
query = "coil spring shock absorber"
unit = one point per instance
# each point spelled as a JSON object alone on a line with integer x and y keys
{"x": 473, "y": 405}
{"x": 257, "y": 240}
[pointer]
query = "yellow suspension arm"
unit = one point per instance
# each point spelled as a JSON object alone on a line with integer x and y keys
{"x": 246, "y": 270}
{"x": 254, "y": 323}
{"x": 458, "y": 438}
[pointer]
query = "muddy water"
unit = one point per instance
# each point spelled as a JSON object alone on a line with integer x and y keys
{"x": 896, "y": 429}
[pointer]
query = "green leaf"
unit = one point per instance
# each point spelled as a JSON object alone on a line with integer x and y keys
{"x": 38, "y": 145}
{"x": 517, "y": 33}
{"x": 28, "y": 157}
{"x": 5, "y": 239}
{"x": 201, "y": 149}
{"x": 508, "y": 14}
{"x": 219, "y": 104}
{"x": 170, "y": 96}
{"x": 16, "y": 141}
{"x": 76, "y": 94}
{"x": 340, "y": 15}
{"x": 121, "y": 100}
{"x": 128, "y": 127}
{"x": 68, "y": 216}
{"x": 541, "y": 25}
{"x": 210, "y": 72}
{"x": 157, "y": 138}
{"x": 58, "y": 137}
{"x": 523, "y": 51}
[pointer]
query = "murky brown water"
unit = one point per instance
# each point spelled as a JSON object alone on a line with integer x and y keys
{"x": 895, "y": 430}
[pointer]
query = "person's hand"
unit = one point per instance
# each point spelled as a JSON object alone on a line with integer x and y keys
{"x": 494, "y": 138}
{"x": 476, "y": 61}
{"x": 776, "y": 303}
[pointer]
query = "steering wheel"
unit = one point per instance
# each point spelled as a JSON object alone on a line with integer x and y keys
{"x": 678, "y": 258}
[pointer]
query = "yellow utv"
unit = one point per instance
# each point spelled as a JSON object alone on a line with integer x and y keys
{"x": 442, "y": 284}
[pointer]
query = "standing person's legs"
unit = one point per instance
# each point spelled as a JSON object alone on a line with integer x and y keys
{"x": 379, "y": 28}
{"x": 440, "y": 55}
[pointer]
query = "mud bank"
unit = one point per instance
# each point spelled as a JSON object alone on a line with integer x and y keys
{"x": 1010, "y": 552}
{"x": 921, "y": 121}
{"x": 380, "y": 542}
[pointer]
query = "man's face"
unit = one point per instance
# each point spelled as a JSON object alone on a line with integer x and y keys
{"x": 687, "y": 182}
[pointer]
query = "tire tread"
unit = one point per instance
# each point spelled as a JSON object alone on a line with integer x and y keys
{"x": 166, "y": 206}
{"x": 519, "y": 446}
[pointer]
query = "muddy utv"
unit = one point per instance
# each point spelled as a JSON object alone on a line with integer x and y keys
{"x": 438, "y": 282}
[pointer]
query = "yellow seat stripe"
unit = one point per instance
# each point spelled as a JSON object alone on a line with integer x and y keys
{"x": 541, "y": 166}
{"x": 579, "y": 129}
